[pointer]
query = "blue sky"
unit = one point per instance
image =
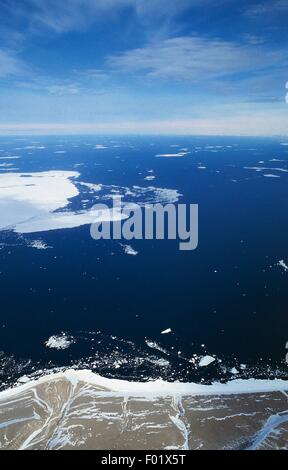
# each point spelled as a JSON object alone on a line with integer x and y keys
{"x": 144, "y": 66}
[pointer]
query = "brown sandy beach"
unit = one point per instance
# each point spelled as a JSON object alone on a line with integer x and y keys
{"x": 67, "y": 411}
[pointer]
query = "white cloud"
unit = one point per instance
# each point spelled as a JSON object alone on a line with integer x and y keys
{"x": 267, "y": 7}
{"x": 10, "y": 64}
{"x": 63, "y": 16}
{"x": 61, "y": 90}
{"x": 195, "y": 58}
{"x": 50, "y": 86}
{"x": 71, "y": 15}
{"x": 98, "y": 75}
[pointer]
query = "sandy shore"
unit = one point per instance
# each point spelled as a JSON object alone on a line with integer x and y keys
{"x": 80, "y": 410}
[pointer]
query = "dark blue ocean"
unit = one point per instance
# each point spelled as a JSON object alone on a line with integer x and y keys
{"x": 227, "y": 299}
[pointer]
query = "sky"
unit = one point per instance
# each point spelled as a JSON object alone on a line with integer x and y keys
{"x": 214, "y": 67}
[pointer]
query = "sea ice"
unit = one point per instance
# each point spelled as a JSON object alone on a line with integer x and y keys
{"x": 129, "y": 250}
{"x": 164, "y": 332}
{"x": 38, "y": 202}
{"x": 206, "y": 360}
{"x": 59, "y": 342}
{"x": 283, "y": 264}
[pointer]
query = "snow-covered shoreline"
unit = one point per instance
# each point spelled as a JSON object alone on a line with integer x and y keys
{"x": 155, "y": 387}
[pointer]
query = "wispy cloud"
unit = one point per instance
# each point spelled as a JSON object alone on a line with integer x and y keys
{"x": 123, "y": 60}
{"x": 67, "y": 16}
{"x": 10, "y": 64}
{"x": 49, "y": 86}
{"x": 64, "y": 16}
{"x": 267, "y": 7}
{"x": 196, "y": 59}
{"x": 71, "y": 89}
{"x": 58, "y": 16}
{"x": 92, "y": 74}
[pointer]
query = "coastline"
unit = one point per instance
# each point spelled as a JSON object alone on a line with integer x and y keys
{"x": 77, "y": 409}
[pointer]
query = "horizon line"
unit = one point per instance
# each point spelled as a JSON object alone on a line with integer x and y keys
{"x": 139, "y": 134}
{"x": 199, "y": 127}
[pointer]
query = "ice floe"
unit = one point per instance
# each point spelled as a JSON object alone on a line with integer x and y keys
{"x": 39, "y": 245}
{"x": 34, "y": 147}
{"x": 283, "y": 264}
{"x": 168, "y": 155}
{"x": 16, "y": 157}
{"x": 129, "y": 250}
{"x": 154, "y": 345}
{"x": 38, "y": 202}
{"x": 59, "y": 341}
{"x": 26, "y": 196}
{"x": 165, "y": 332}
{"x": 261, "y": 168}
{"x": 206, "y": 360}
{"x": 93, "y": 187}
